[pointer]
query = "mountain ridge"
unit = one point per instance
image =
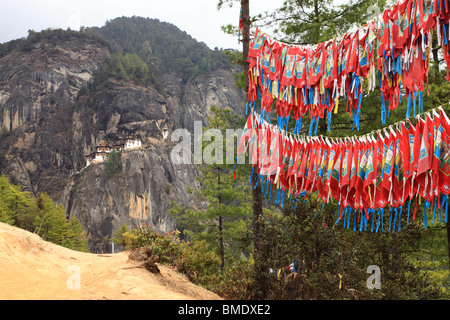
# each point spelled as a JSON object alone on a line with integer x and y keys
{"x": 163, "y": 46}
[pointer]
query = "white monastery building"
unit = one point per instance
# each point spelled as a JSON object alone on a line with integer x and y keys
{"x": 101, "y": 151}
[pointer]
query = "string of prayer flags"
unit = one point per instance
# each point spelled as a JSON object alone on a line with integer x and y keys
{"x": 391, "y": 52}
{"x": 291, "y": 268}
{"x": 365, "y": 175}
{"x": 241, "y": 23}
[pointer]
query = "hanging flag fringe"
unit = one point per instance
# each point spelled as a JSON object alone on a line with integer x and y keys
{"x": 290, "y": 268}
{"x": 394, "y": 48}
{"x": 365, "y": 175}
{"x": 241, "y": 23}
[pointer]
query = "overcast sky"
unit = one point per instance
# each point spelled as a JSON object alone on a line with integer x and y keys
{"x": 199, "y": 18}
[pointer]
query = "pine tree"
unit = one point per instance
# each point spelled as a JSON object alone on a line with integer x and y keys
{"x": 16, "y": 204}
{"x": 3, "y": 215}
{"x": 76, "y": 238}
{"x": 39, "y": 215}
{"x": 112, "y": 165}
{"x": 118, "y": 236}
{"x": 256, "y": 190}
{"x": 52, "y": 223}
{"x": 224, "y": 223}
{"x": 315, "y": 21}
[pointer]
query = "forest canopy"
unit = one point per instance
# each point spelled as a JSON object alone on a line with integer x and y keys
{"x": 162, "y": 46}
{"x": 41, "y": 216}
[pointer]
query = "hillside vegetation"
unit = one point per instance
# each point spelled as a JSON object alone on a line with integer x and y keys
{"x": 162, "y": 46}
{"x": 40, "y": 215}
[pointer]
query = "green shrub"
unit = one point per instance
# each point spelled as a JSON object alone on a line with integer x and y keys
{"x": 167, "y": 247}
{"x": 195, "y": 260}
{"x": 234, "y": 282}
{"x": 191, "y": 259}
{"x": 112, "y": 165}
{"x": 199, "y": 264}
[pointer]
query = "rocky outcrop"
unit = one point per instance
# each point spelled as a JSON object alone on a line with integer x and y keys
{"x": 52, "y": 118}
{"x": 149, "y": 180}
{"x": 38, "y": 92}
{"x": 141, "y": 193}
{"x": 192, "y": 101}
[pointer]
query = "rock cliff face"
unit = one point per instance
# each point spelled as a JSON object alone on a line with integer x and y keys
{"x": 50, "y": 121}
{"x": 141, "y": 193}
{"x": 38, "y": 91}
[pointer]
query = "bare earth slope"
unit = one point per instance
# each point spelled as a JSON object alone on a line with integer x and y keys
{"x": 31, "y": 268}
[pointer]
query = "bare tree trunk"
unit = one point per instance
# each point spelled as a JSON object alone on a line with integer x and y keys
{"x": 221, "y": 249}
{"x": 435, "y": 52}
{"x": 221, "y": 246}
{"x": 256, "y": 192}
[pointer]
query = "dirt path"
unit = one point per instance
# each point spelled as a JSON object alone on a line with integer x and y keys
{"x": 31, "y": 268}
